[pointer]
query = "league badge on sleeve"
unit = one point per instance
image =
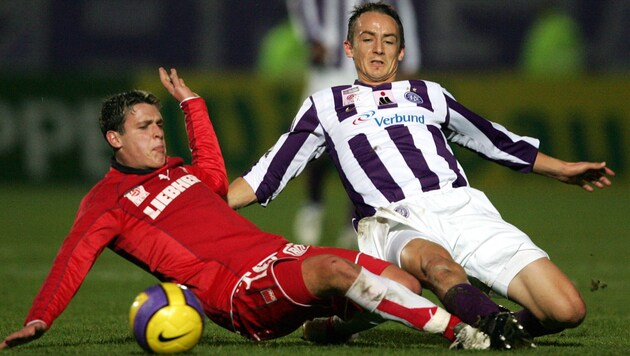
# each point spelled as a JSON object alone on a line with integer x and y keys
{"x": 350, "y": 96}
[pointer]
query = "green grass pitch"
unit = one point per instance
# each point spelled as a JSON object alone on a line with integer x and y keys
{"x": 587, "y": 235}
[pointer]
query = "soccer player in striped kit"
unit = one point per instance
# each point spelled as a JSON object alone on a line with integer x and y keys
{"x": 322, "y": 26}
{"x": 413, "y": 203}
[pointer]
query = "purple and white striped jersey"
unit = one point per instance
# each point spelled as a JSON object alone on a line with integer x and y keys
{"x": 388, "y": 143}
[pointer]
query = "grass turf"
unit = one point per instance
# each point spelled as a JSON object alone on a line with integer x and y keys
{"x": 585, "y": 234}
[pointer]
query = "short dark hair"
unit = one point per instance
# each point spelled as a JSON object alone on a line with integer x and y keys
{"x": 115, "y": 108}
{"x": 375, "y": 7}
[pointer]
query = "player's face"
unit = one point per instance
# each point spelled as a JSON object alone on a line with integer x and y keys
{"x": 142, "y": 144}
{"x": 375, "y": 48}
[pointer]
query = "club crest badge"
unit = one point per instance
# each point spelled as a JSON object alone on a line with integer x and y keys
{"x": 137, "y": 195}
{"x": 402, "y": 210}
{"x": 413, "y": 97}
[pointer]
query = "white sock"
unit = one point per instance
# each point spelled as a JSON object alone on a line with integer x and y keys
{"x": 392, "y": 301}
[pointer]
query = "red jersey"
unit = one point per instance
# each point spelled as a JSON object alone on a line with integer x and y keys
{"x": 172, "y": 222}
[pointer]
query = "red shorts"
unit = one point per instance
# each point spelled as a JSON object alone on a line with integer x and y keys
{"x": 268, "y": 303}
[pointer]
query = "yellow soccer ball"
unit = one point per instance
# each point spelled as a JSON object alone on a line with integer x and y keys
{"x": 166, "y": 318}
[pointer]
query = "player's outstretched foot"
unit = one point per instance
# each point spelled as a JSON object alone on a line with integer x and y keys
{"x": 505, "y": 332}
{"x": 322, "y": 331}
{"x": 469, "y": 338}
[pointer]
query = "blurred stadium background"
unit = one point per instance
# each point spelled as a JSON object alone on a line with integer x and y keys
{"x": 59, "y": 58}
{"x": 557, "y": 70}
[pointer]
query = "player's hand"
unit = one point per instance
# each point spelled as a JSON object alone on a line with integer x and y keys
{"x": 587, "y": 175}
{"x": 27, "y": 334}
{"x": 583, "y": 174}
{"x": 175, "y": 85}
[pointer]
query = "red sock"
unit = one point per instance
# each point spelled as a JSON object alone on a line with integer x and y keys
{"x": 449, "y": 333}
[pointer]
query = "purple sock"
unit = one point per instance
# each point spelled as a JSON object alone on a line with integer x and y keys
{"x": 468, "y": 303}
{"x": 532, "y": 325}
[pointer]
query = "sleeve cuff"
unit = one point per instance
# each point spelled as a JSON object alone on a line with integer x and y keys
{"x": 36, "y": 321}
{"x": 189, "y": 98}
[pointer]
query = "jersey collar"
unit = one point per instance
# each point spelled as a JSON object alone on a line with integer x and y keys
{"x": 128, "y": 170}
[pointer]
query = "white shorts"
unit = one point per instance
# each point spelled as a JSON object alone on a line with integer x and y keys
{"x": 461, "y": 220}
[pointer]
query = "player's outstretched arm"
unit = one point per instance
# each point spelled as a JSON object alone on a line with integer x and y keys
{"x": 28, "y": 333}
{"x": 583, "y": 174}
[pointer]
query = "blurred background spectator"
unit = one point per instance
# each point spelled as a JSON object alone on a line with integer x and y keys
{"x": 553, "y": 45}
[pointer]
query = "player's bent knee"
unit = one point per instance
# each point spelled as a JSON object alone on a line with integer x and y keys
{"x": 573, "y": 311}
{"x": 444, "y": 271}
{"x": 565, "y": 312}
{"x": 571, "y": 314}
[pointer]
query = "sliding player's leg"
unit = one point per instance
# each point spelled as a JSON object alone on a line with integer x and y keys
{"x": 328, "y": 275}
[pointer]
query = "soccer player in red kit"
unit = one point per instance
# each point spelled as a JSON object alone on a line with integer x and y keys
{"x": 172, "y": 220}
